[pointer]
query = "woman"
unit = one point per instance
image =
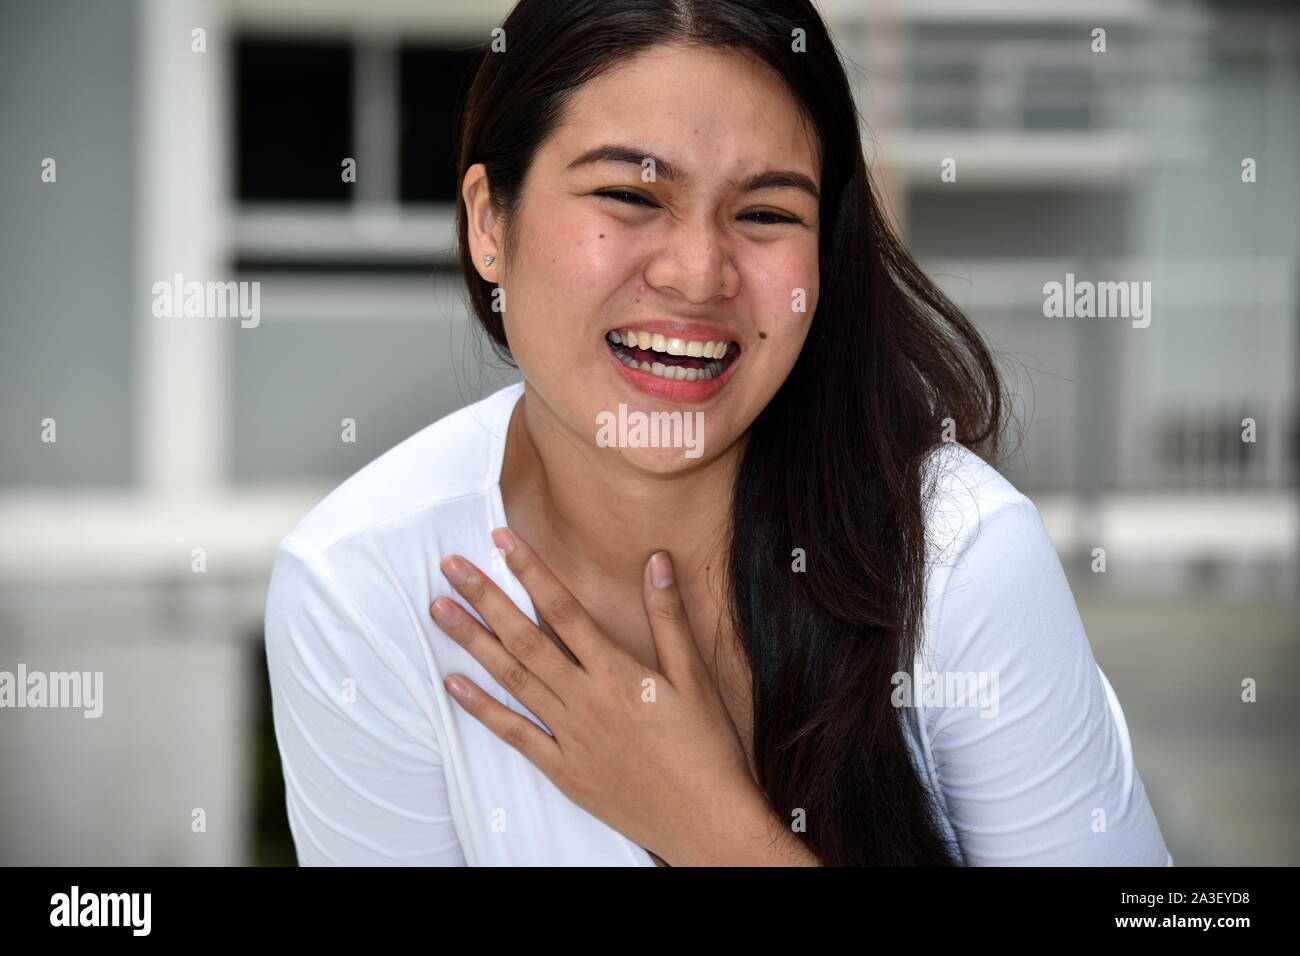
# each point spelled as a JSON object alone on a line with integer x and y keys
{"x": 855, "y": 644}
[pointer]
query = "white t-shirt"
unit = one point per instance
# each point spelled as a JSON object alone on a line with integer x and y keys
{"x": 383, "y": 766}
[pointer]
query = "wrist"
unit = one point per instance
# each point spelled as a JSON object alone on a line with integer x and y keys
{"x": 745, "y": 831}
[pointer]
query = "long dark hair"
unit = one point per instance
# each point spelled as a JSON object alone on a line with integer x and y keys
{"x": 836, "y": 462}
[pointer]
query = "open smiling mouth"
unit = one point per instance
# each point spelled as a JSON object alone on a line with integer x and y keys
{"x": 683, "y": 360}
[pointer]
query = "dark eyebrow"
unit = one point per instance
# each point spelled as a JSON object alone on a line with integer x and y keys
{"x": 769, "y": 179}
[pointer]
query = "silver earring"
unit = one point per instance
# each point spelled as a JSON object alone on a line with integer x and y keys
{"x": 488, "y": 260}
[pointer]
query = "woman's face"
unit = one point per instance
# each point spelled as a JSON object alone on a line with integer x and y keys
{"x": 696, "y": 255}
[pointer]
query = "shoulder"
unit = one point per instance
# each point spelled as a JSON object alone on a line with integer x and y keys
{"x": 351, "y": 582}
{"x": 996, "y": 588}
{"x": 449, "y": 461}
{"x": 965, "y": 499}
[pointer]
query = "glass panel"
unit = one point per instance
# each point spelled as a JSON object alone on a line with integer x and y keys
{"x": 293, "y": 119}
{"x": 434, "y": 84}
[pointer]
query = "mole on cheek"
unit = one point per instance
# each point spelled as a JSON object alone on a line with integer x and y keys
{"x": 762, "y": 335}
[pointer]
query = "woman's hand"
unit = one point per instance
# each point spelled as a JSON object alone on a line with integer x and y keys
{"x": 654, "y": 755}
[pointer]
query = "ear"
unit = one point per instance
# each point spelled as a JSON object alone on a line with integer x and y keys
{"x": 481, "y": 221}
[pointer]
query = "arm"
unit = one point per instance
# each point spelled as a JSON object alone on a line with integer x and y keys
{"x": 1049, "y": 778}
{"x": 363, "y": 779}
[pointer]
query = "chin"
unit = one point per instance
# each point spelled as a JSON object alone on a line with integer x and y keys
{"x": 660, "y": 439}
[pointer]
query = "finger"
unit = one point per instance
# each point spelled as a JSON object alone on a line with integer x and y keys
{"x": 514, "y": 630}
{"x": 556, "y": 604}
{"x": 679, "y": 657}
{"x": 515, "y": 729}
{"x": 521, "y": 683}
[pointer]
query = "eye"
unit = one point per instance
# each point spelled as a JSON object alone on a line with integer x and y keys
{"x": 634, "y": 199}
{"x": 617, "y": 193}
{"x": 777, "y": 218}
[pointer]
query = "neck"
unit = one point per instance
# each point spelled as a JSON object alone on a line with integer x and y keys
{"x": 594, "y": 517}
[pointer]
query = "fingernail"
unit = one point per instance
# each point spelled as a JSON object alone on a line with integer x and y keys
{"x": 456, "y": 570}
{"x": 504, "y": 539}
{"x": 457, "y": 687}
{"x": 446, "y": 612}
{"x": 661, "y": 570}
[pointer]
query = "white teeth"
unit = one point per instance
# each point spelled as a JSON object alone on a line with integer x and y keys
{"x": 657, "y": 342}
{"x": 673, "y": 372}
{"x": 677, "y": 372}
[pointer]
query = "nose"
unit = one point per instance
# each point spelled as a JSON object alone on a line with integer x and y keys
{"x": 696, "y": 263}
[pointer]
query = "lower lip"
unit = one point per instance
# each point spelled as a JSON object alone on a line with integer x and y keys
{"x": 678, "y": 392}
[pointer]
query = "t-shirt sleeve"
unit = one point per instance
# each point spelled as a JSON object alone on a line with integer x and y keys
{"x": 1034, "y": 763}
{"x": 364, "y": 784}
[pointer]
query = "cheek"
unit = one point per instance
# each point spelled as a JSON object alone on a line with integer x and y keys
{"x": 575, "y": 264}
{"x": 586, "y": 254}
{"x": 788, "y": 288}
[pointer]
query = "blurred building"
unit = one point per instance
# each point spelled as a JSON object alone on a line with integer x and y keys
{"x": 205, "y": 139}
